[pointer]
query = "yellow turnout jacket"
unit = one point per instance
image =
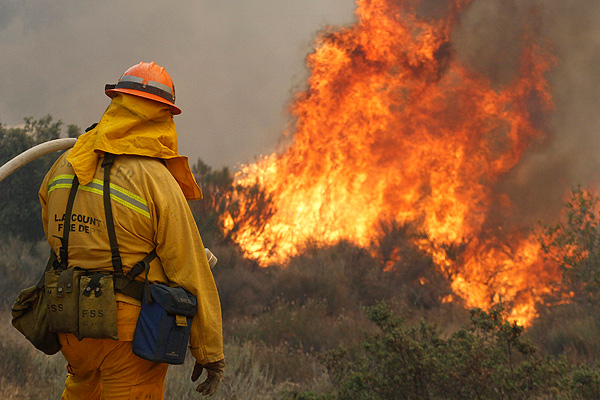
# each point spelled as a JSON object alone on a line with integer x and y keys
{"x": 150, "y": 211}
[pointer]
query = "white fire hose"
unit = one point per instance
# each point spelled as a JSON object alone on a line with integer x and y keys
{"x": 50, "y": 147}
{"x": 33, "y": 153}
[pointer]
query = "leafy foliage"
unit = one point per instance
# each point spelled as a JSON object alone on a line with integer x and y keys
{"x": 568, "y": 324}
{"x": 20, "y": 211}
{"x": 575, "y": 246}
{"x": 485, "y": 359}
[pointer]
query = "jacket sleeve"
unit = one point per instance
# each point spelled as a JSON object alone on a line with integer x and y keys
{"x": 43, "y": 193}
{"x": 184, "y": 261}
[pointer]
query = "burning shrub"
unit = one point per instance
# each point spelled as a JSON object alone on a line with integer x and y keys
{"x": 410, "y": 268}
{"x": 393, "y": 125}
{"x": 226, "y": 206}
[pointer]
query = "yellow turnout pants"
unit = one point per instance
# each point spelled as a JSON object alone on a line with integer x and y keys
{"x": 106, "y": 369}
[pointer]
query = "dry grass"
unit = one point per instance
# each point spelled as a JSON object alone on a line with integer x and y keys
{"x": 26, "y": 373}
{"x": 246, "y": 377}
{"x": 21, "y": 265}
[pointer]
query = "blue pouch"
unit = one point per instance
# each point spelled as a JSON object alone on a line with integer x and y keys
{"x": 163, "y": 327}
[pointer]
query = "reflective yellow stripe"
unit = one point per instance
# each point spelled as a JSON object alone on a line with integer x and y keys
{"x": 117, "y": 193}
{"x": 129, "y": 205}
{"x": 60, "y": 181}
{"x": 60, "y": 186}
{"x": 92, "y": 190}
{"x": 128, "y": 193}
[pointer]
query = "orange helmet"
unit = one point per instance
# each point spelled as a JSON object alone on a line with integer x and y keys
{"x": 146, "y": 80}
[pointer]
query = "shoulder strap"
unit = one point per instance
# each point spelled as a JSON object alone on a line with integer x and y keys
{"x": 147, "y": 296}
{"x": 124, "y": 284}
{"x": 107, "y": 163}
{"x": 64, "y": 240}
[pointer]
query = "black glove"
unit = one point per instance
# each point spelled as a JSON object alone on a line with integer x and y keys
{"x": 215, "y": 372}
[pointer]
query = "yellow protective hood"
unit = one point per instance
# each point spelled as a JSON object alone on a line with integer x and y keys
{"x": 136, "y": 126}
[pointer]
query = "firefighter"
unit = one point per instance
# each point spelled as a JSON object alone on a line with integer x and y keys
{"x": 149, "y": 185}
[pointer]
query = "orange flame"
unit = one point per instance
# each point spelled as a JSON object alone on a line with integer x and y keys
{"x": 394, "y": 127}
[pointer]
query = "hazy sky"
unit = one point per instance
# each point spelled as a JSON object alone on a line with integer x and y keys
{"x": 237, "y": 63}
{"x": 234, "y": 63}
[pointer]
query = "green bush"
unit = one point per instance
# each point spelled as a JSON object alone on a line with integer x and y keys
{"x": 21, "y": 209}
{"x": 574, "y": 245}
{"x": 586, "y": 382}
{"x": 486, "y": 359}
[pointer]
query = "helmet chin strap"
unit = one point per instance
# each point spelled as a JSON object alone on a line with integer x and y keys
{"x": 35, "y": 152}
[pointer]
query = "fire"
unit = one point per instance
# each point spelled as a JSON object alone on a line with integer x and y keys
{"x": 394, "y": 127}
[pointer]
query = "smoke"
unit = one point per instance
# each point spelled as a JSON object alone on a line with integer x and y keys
{"x": 233, "y": 63}
{"x": 488, "y": 38}
{"x": 8, "y": 11}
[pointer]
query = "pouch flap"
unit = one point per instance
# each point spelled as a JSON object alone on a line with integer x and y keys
{"x": 65, "y": 283}
{"x": 26, "y": 300}
{"x": 174, "y": 300}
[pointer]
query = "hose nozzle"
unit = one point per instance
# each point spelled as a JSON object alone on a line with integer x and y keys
{"x": 212, "y": 259}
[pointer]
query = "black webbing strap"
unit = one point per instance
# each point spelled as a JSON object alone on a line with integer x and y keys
{"x": 147, "y": 294}
{"x": 117, "y": 264}
{"x": 94, "y": 285}
{"x": 125, "y": 284}
{"x": 128, "y": 285}
{"x": 64, "y": 241}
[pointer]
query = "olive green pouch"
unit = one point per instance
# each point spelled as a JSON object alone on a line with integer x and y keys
{"x": 30, "y": 317}
{"x": 97, "y": 307}
{"x": 62, "y": 294}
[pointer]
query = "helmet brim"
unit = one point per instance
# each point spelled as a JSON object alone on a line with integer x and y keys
{"x": 174, "y": 109}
